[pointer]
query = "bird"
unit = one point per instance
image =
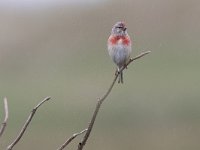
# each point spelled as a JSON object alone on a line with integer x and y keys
{"x": 119, "y": 47}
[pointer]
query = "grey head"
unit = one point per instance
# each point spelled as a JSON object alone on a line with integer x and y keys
{"x": 119, "y": 29}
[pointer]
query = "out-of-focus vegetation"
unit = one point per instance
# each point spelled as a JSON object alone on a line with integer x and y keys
{"x": 61, "y": 51}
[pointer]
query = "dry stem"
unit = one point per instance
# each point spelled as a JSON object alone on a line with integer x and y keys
{"x": 26, "y": 124}
{"x": 4, "y": 123}
{"x": 71, "y": 138}
{"x": 100, "y": 101}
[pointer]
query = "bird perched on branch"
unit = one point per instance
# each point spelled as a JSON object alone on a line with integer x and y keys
{"x": 119, "y": 47}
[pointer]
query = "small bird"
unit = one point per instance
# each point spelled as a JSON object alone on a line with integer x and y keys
{"x": 119, "y": 46}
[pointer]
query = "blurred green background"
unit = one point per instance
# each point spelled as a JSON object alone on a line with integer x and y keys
{"x": 59, "y": 49}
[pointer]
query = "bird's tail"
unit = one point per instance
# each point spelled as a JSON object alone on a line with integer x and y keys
{"x": 120, "y": 80}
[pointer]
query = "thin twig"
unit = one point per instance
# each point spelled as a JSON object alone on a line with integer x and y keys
{"x": 100, "y": 101}
{"x": 4, "y": 123}
{"x": 26, "y": 124}
{"x": 135, "y": 58}
{"x": 71, "y": 138}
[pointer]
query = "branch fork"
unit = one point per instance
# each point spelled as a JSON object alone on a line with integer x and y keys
{"x": 87, "y": 131}
{"x": 26, "y": 124}
{"x": 100, "y": 100}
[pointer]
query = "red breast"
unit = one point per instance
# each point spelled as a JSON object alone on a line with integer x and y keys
{"x": 115, "y": 39}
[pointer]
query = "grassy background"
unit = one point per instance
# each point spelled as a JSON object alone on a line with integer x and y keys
{"x": 60, "y": 51}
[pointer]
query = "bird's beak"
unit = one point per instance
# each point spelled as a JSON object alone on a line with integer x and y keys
{"x": 124, "y": 29}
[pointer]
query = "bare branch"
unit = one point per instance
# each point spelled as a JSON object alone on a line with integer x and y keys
{"x": 26, "y": 124}
{"x": 71, "y": 138}
{"x": 135, "y": 58}
{"x": 100, "y": 101}
{"x": 4, "y": 123}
